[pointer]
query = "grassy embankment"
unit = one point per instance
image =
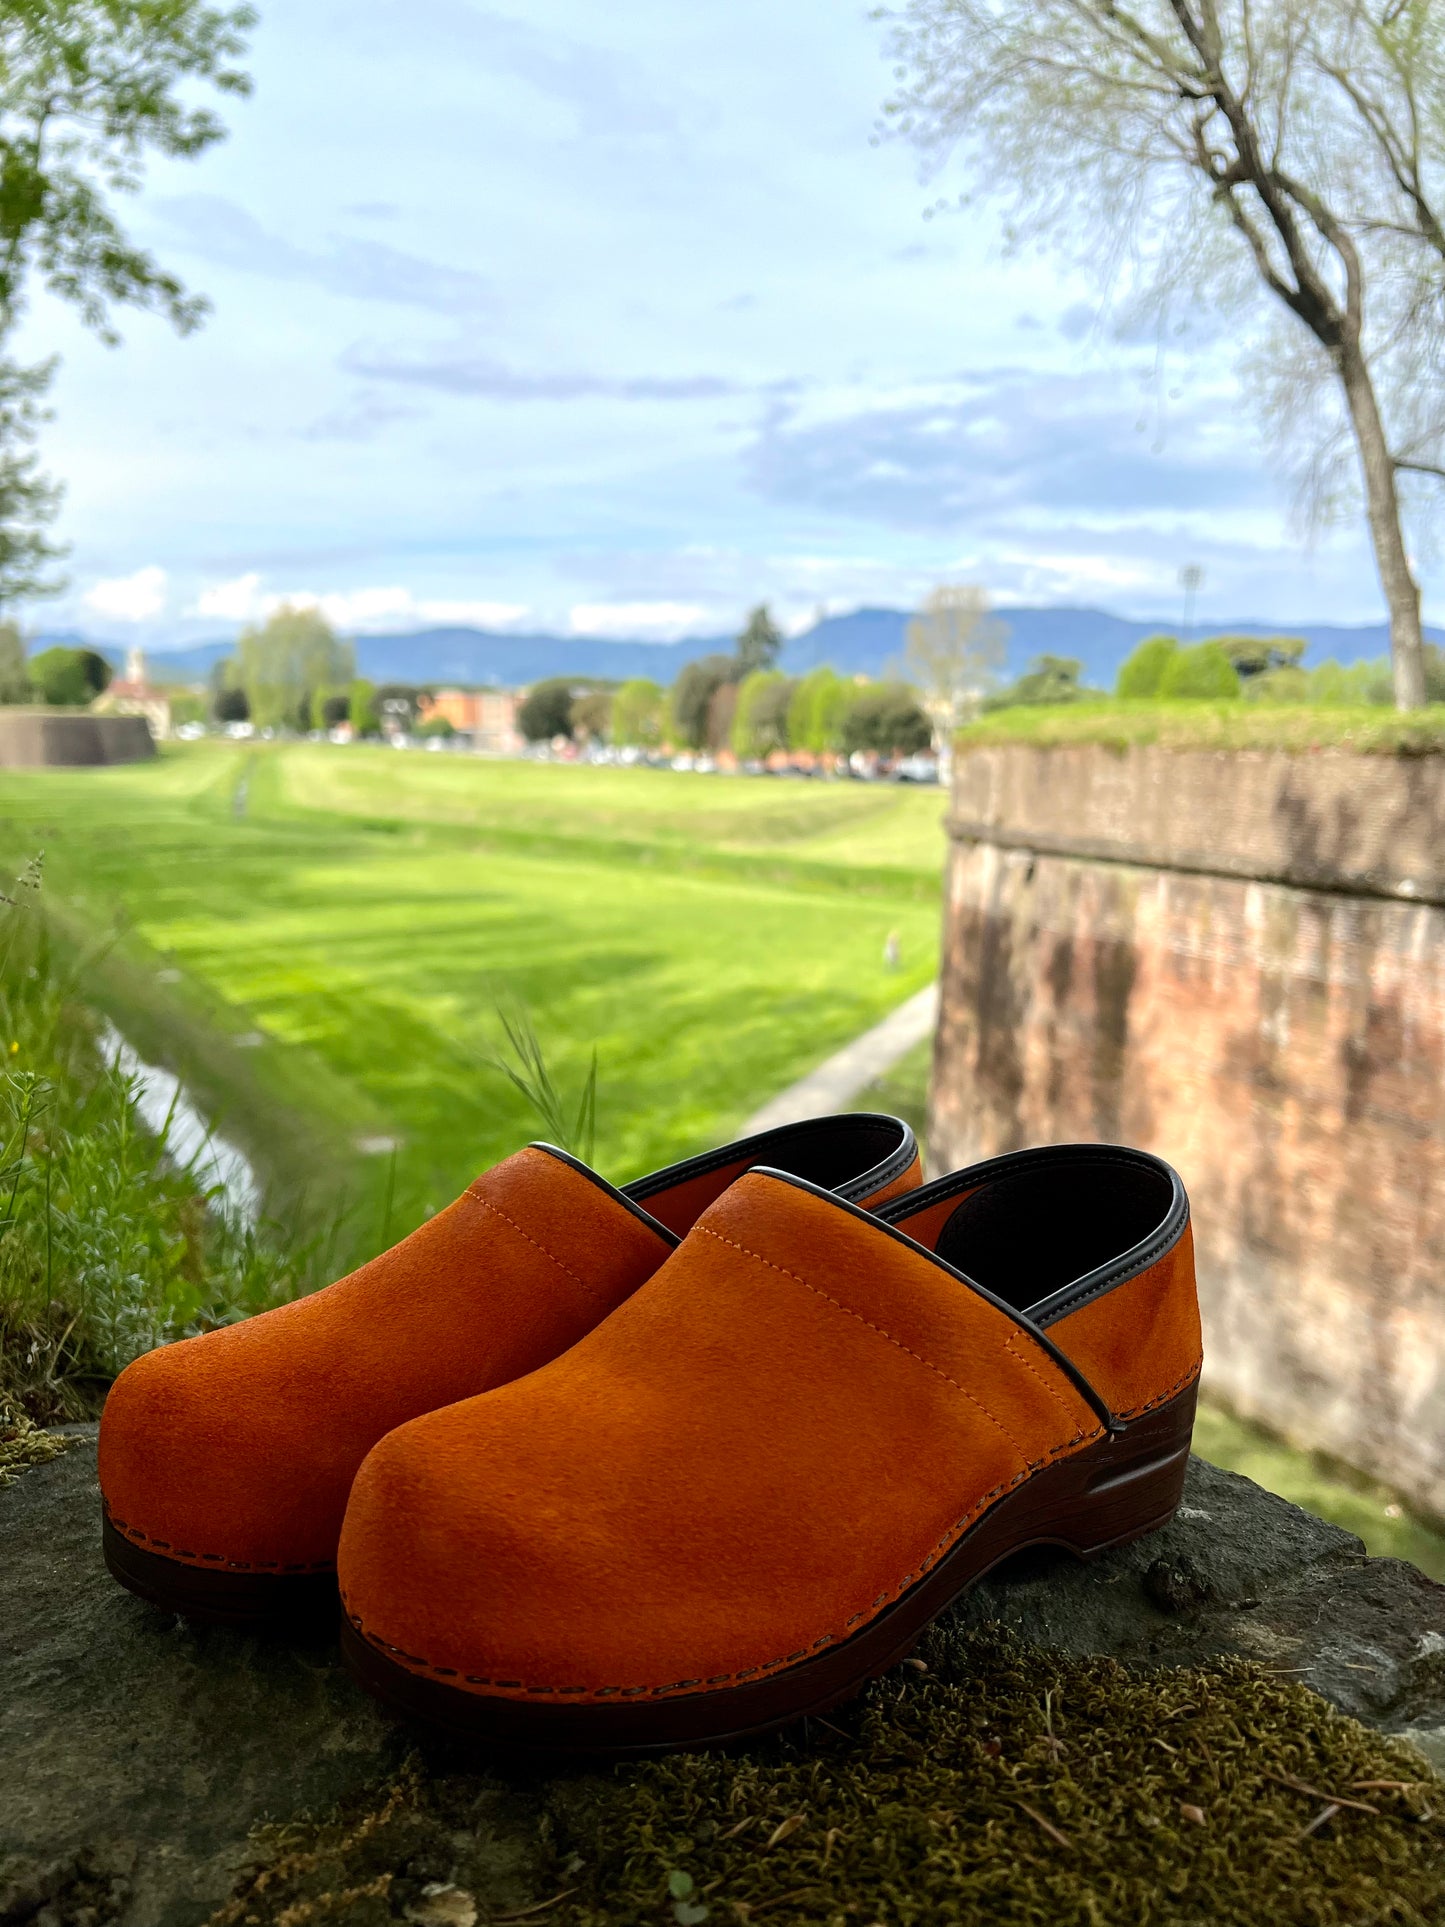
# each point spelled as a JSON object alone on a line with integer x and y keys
{"x": 313, "y": 939}
{"x": 1367, "y": 729}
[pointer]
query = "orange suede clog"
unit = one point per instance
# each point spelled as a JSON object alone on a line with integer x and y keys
{"x": 747, "y": 1491}
{"x": 226, "y": 1459}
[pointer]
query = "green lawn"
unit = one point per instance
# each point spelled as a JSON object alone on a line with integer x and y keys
{"x": 314, "y": 937}
{"x": 1370, "y": 729}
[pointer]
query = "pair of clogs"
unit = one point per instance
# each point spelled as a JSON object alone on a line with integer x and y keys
{"x": 611, "y": 1469}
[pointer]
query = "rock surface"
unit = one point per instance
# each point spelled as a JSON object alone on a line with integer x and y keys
{"x": 136, "y": 1752}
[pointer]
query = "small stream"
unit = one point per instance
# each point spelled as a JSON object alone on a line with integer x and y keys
{"x": 165, "y": 1108}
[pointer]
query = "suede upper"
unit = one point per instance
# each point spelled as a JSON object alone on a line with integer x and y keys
{"x": 237, "y": 1449}
{"x": 762, "y": 1448}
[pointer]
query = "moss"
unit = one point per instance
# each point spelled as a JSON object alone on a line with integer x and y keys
{"x": 1044, "y": 1790}
{"x": 1368, "y": 729}
{"x": 23, "y": 1444}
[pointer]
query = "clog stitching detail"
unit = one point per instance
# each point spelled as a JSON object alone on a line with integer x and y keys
{"x": 170, "y": 1551}
{"x": 497, "y": 1212}
{"x": 848, "y": 1311}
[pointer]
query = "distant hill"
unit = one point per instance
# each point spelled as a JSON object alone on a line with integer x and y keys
{"x": 866, "y": 642}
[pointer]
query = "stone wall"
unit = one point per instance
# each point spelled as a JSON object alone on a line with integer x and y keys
{"x": 1238, "y": 961}
{"x": 40, "y": 738}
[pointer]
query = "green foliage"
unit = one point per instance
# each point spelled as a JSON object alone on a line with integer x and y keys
{"x": 229, "y": 704}
{"x": 187, "y": 706}
{"x": 1202, "y": 673}
{"x": 69, "y": 677}
{"x": 547, "y": 710}
{"x": 692, "y": 697}
{"x": 335, "y": 709}
{"x": 760, "y": 721}
{"x": 590, "y": 716}
{"x": 524, "y": 1064}
{"x": 441, "y": 727}
{"x": 109, "y": 1244}
{"x": 1370, "y": 730}
{"x": 15, "y": 686}
{"x": 29, "y": 501}
{"x": 1048, "y": 679}
{"x": 1143, "y": 669}
{"x": 817, "y": 709}
{"x": 888, "y": 718}
{"x": 282, "y": 664}
{"x": 398, "y": 704}
{"x": 758, "y": 645}
{"x": 1258, "y": 655}
{"x": 87, "y": 89}
{"x": 639, "y": 714}
{"x": 361, "y": 709}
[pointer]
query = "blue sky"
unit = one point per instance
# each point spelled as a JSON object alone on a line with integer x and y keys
{"x": 618, "y": 321}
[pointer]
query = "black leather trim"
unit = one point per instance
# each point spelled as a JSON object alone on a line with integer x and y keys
{"x": 877, "y": 1222}
{"x": 757, "y": 1148}
{"x": 669, "y": 1238}
{"x": 1103, "y": 1278}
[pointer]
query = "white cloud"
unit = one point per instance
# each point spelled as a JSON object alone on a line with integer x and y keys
{"x": 386, "y": 607}
{"x": 652, "y": 621}
{"x": 130, "y": 598}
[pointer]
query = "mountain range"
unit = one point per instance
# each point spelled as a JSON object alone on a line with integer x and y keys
{"x": 866, "y": 642}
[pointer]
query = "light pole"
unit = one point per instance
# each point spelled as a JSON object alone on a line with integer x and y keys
{"x": 1191, "y": 579}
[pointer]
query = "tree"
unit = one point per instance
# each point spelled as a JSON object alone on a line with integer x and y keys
{"x": 1201, "y": 672}
{"x": 638, "y": 714}
{"x": 591, "y": 715}
{"x": 69, "y": 677}
{"x": 547, "y": 710}
{"x": 398, "y": 705}
{"x": 816, "y": 709}
{"x": 955, "y": 650}
{"x": 335, "y": 709}
{"x": 1260, "y": 655}
{"x": 760, "y": 721}
{"x": 229, "y": 704}
{"x": 362, "y": 708}
{"x": 692, "y": 694}
{"x": 1143, "y": 669}
{"x": 89, "y": 88}
{"x": 1048, "y": 679}
{"x": 15, "y": 684}
{"x": 1217, "y": 151}
{"x": 888, "y": 718}
{"x": 759, "y": 644}
{"x": 291, "y": 657}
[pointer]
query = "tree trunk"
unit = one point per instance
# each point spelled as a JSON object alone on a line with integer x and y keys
{"x": 1402, "y": 594}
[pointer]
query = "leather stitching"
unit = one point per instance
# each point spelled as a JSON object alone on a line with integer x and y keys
{"x": 204, "y": 1560}
{"x": 497, "y": 1212}
{"x": 848, "y": 1311}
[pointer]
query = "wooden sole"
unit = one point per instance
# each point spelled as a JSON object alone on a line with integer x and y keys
{"x": 1121, "y": 1487}
{"x": 221, "y": 1597}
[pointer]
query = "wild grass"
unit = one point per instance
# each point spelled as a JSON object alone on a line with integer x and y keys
{"x": 1367, "y": 729}
{"x": 110, "y": 1243}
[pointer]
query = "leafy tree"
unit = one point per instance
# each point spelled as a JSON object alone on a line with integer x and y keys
{"x": 547, "y": 711}
{"x": 14, "y": 669}
{"x": 692, "y": 694}
{"x": 1048, "y": 679}
{"x": 282, "y": 664}
{"x": 759, "y": 644}
{"x": 1258, "y": 655}
{"x": 1143, "y": 670}
{"x": 721, "y": 709}
{"x": 955, "y": 650}
{"x": 1214, "y": 151}
{"x": 229, "y": 704}
{"x": 1203, "y": 671}
{"x": 335, "y": 709}
{"x": 187, "y": 706}
{"x": 398, "y": 706}
{"x": 816, "y": 709}
{"x": 760, "y": 721}
{"x": 69, "y": 677}
{"x": 591, "y": 715}
{"x": 639, "y": 713}
{"x": 88, "y": 89}
{"x": 888, "y": 718}
{"x": 440, "y": 726}
{"x": 362, "y": 708}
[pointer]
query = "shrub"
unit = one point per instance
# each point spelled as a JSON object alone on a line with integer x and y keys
{"x": 1048, "y": 679}
{"x": 1203, "y": 672}
{"x": 1143, "y": 670}
{"x": 547, "y": 710}
{"x": 362, "y": 708}
{"x": 638, "y": 713}
{"x": 439, "y": 726}
{"x": 1258, "y": 655}
{"x": 760, "y": 722}
{"x": 69, "y": 678}
{"x": 231, "y": 706}
{"x": 887, "y": 717}
{"x": 816, "y": 710}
